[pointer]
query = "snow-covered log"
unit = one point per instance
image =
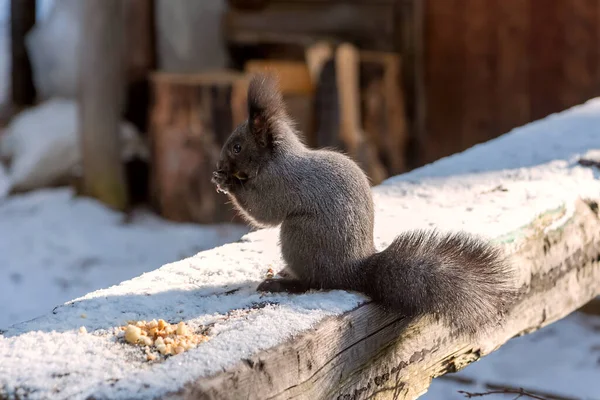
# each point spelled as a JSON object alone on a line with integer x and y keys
{"x": 528, "y": 190}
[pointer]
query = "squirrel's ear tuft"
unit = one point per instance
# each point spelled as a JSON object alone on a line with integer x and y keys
{"x": 265, "y": 106}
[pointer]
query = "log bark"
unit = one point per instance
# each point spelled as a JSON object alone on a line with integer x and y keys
{"x": 190, "y": 120}
{"x": 101, "y": 102}
{"x": 22, "y": 19}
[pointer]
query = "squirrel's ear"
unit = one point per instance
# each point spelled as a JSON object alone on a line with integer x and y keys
{"x": 265, "y": 107}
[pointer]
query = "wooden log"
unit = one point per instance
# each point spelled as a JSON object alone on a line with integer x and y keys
{"x": 22, "y": 19}
{"x": 372, "y": 354}
{"x": 335, "y": 344}
{"x": 191, "y": 117}
{"x": 101, "y": 102}
{"x": 383, "y": 108}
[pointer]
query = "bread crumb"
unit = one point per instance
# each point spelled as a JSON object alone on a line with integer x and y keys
{"x": 161, "y": 336}
{"x": 133, "y": 334}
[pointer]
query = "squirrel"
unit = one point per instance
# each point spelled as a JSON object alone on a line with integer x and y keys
{"x": 322, "y": 201}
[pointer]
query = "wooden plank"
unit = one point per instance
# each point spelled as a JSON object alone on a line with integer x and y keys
{"x": 22, "y": 19}
{"x": 293, "y": 77}
{"x": 343, "y": 357}
{"x": 513, "y": 100}
{"x": 444, "y": 77}
{"x": 479, "y": 122}
{"x": 581, "y": 57}
{"x": 355, "y": 142}
{"x": 546, "y": 49}
{"x": 298, "y": 89}
{"x": 316, "y": 55}
{"x": 101, "y": 102}
{"x": 368, "y": 26}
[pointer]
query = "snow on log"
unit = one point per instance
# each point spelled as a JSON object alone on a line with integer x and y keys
{"x": 527, "y": 190}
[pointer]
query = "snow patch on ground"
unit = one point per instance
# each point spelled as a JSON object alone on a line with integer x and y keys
{"x": 55, "y": 247}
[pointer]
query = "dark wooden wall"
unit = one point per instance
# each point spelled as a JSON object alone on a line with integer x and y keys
{"x": 492, "y": 65}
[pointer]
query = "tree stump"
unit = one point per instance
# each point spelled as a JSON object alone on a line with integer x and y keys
{"x": 191, "y": 117}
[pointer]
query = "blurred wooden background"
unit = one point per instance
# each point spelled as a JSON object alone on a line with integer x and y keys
{"x": 415, "y": 80}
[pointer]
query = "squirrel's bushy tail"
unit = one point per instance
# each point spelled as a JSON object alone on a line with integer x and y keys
{"x": 457, "y": 277}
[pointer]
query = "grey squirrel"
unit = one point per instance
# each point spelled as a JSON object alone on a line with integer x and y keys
{"x": 323, "y": 202}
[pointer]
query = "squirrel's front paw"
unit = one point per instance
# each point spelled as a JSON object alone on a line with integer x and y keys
{"x": 221, "y": 180}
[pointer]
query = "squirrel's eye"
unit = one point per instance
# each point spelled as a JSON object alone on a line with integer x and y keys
{"x": 237, "y": 148}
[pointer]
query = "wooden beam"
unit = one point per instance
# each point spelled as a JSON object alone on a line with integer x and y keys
{"x": 22, "y": 19}
{"x": 101, "y": 101}
{"x": 368, "y": 353}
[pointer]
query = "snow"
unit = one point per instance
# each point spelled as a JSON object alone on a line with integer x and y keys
{"x": 55, "y": 247}
{"x": 561, "y": 359}
{"x": 492, "y": 190}
{"x": 194, "y": 290}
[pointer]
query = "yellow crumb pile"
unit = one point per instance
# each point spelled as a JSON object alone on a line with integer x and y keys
{"x": 160, "y": 335}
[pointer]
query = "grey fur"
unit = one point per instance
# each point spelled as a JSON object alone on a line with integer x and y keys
{"x": 323, "y": 202}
